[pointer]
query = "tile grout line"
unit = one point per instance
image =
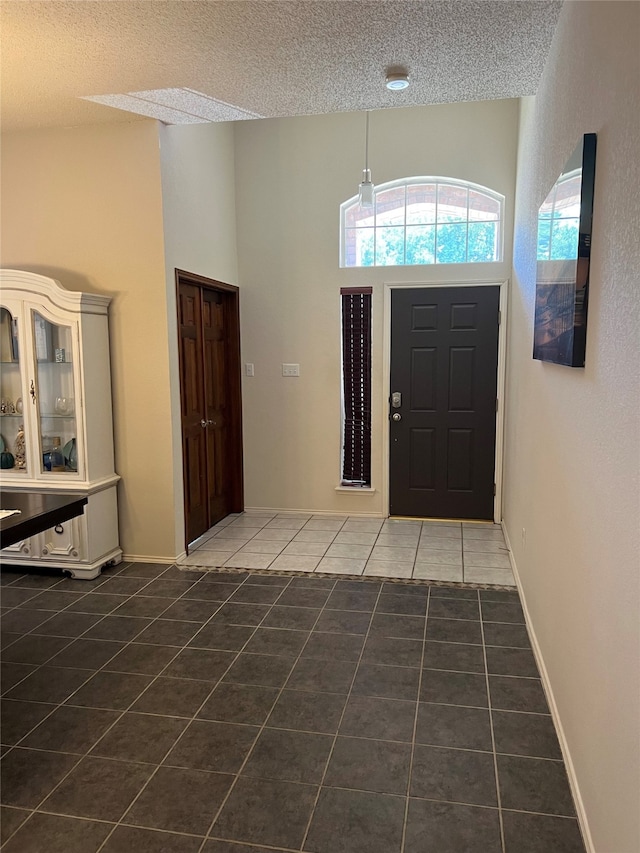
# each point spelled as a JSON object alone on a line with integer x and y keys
{"x": 124, "y": 711}
{"x": 288, "y": 542}
{"x": 32, "y": 633}
{"x": 422, "y": 529}
{"x": 493, "y": 739}
{"x": 327, "y": 546}
{"x": 62, "y": 704}
{"x": 268, "y": 779}
{"x": 337, "y": 532}
{"x": 194, "y": 717}
{"x": 297, "y": 690}
{"x": 264, "y": 724}
{"x": 415, "y": 728}
{"x": 292, "y": 731}
{"x": 246, "y": 581}
{"x": 344, "y": 709}
{"x": 215, "y": 536}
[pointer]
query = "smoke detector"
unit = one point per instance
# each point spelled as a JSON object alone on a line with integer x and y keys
{"x": 397, "y": 80}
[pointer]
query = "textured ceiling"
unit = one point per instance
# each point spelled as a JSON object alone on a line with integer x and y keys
{"x": 269, "y": 58}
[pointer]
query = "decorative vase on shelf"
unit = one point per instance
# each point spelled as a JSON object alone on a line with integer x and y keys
{"x": 20, "y": 454}
{"x": 6, "y": 459}
{"x": 71, "y": 453}
{"x": 64, "y": 406}
{"x": 57, "y": 458}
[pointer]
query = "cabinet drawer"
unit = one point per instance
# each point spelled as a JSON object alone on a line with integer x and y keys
{"x": 24, "y": 548}
{"x": 62, "y": 542}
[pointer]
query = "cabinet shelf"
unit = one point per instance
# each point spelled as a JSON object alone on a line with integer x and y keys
{"x": 56, "y": 416}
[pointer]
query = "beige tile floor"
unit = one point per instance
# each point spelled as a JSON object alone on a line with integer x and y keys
{"x": 471, "y": 552}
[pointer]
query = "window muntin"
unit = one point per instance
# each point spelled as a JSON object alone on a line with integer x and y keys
{"x": 559, "y": 220}
{"x": 423, "y": 221}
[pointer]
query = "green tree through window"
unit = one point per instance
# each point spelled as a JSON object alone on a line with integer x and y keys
{"x": 559, "y": 219}
{"x": 423, "y": 221}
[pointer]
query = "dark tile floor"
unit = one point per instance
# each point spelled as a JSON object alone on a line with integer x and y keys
{"x": 154, "y": 709}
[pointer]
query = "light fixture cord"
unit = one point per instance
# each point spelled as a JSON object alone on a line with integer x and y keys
{"x": 366, "y": 144}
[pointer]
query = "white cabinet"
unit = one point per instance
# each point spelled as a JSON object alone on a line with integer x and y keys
{"x": 56, "y": 428}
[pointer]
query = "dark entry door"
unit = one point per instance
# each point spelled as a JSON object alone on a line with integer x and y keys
{"x": 210, "y": 401}
{"x": 444, "y": 359}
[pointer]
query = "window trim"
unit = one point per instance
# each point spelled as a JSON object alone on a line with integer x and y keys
{"x": 426, "y": 179}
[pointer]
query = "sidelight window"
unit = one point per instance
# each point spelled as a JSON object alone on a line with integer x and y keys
{"x": 422, "y": 221}
{"x": 356, "y": 386}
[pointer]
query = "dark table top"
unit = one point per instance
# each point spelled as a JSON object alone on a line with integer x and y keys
{"x": 38, "y": 512}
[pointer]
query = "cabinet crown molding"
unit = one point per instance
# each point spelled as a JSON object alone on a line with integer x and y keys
{"x": 42, "y": 285}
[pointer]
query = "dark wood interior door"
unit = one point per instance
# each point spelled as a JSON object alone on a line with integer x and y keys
{"x": 208, "y": 323}
{"x": 215, "y": 401}
{"x": 194, "y": 444}
{"x": 444, "y": 359}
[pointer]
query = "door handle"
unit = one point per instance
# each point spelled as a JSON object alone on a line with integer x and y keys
{"x": 203, "y": 423}
{"x": 396, "y": 416}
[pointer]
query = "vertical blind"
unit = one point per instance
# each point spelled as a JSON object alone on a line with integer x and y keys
{"x": 356, "y": 378}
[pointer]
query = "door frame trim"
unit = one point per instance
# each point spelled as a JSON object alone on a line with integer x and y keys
{"x": 502, "y": 372}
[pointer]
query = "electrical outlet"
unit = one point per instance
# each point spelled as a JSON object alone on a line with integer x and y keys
{"x": 291, "y": 370}
{"x": 248, "y": 369}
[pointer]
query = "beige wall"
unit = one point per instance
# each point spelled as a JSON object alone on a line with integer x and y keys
{"x": 84, "y": 205}
{"x": 89, "y": 205}
{"x": 198, "y": 200}
{"x": 573, "y": 434}
{"x": 291, "y": 177}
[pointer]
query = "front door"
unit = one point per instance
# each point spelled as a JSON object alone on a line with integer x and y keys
{"x": 442, "y": 409}
{"x": 210, "y": 401}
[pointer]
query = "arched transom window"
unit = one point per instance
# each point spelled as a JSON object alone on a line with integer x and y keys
{"x": 422, "y": 221}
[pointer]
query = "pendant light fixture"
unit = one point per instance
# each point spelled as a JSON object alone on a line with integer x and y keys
{"x": 366, "y": 190}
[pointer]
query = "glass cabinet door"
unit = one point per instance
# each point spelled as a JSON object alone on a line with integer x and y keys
{"x": 55, "y": 396}
{"x": 12, "y": 434}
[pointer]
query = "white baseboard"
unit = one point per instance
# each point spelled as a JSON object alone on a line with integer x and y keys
{"x": 144, "y": 558}
{"x": 329, "y": 512}
{"x": 548, "y": 689}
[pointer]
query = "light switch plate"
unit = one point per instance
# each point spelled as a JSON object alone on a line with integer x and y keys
{"x": 291, "y": 370}
{"x": 248, "y": 369}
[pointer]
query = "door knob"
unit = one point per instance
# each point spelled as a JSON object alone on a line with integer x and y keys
{"x": 203, "y": 424}
{"x": 396, "y": 416}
